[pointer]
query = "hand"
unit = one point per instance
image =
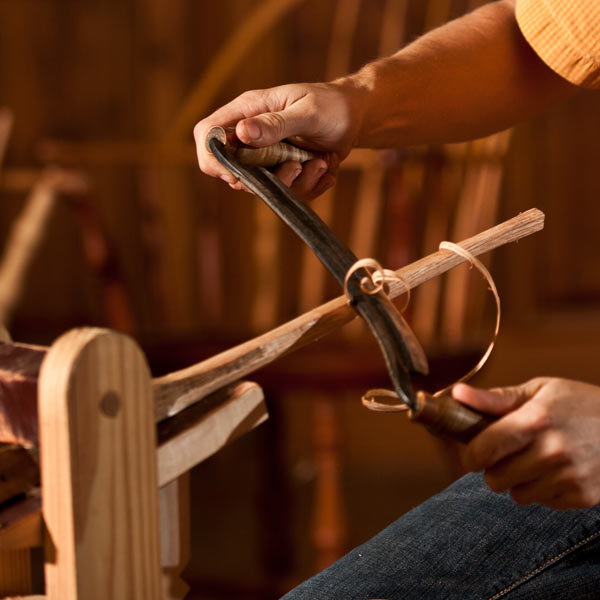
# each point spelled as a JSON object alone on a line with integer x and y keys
{"x": 320, "y": 117}
{"x": 545, "y": 448}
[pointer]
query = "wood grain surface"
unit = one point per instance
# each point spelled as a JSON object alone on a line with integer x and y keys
{"x": 178, "y": 390}
{"x": 98, "y": 464}
{"x": 175, "y": 392}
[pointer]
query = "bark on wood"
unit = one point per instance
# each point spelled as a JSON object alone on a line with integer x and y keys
{"x": 19, "y": 371}
{"x": 179, "y": 390}
{"x": 174, "y": 392}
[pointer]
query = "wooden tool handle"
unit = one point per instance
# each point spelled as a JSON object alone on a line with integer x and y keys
{"x": 268, "y": 156}
{"x": 446, "y": 418}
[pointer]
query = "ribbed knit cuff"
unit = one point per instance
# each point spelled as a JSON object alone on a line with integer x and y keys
{"x": 566, "y": 36}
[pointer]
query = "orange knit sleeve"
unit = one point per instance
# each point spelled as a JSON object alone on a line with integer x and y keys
{"x": 566, "y": 36}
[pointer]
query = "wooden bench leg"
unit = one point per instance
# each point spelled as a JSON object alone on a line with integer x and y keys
{"x": 98, "y": 467}
{"x": 15, "y": 572}
{"x": 174, "y": 508}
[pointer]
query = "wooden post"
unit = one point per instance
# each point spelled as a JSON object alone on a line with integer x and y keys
{"x": 15, "y": 572}
{"x": 98, "y": 468}
{"x": 174, "y": 503}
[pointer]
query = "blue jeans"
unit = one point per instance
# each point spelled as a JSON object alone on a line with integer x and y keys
{"x": 469, "y": 543}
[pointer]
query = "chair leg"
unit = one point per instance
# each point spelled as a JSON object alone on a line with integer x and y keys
{"x": 174, "y": 510}
{"x": 15, "y": 572}
{"x": 98, "y": 468}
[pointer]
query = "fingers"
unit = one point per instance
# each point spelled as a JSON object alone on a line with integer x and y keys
{"x": 544, "y": 456}
{"x": 270, "y": 127}
{"x": 508, "y": 435}
{"x": 309, "y": 180}
{"x": 497, "y": 401}
{"x": 288, "y": 172}
{"x": 562, "y": 489}
{"x": 544, "y": 447}
{"x": 241, "y": 112}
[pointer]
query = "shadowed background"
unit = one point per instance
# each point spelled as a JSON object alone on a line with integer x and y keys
{"x": 188, "y": 267}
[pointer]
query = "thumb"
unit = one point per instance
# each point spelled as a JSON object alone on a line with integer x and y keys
{"x": 270, "y": 127}
{"x": 496, "y": 401}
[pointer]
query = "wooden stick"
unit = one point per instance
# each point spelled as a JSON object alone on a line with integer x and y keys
{"x": 178, "y": 390}
{"x": 226, "y": 60}
{"x": 174, "y": 392}
{"x": 20, "y": 180}
{"x": 26, "y": 235}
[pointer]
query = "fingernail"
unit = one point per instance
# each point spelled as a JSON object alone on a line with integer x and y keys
{"x": 296, "y": 173}
{"x": 252, "y": 130}
{"x": 321, "y": 172}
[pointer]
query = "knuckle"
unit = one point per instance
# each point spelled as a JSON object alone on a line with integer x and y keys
{"x": 198, "y": 131}
{"x": 248, "y": 96}
{"x": 540, "y": 419}
{"x": 311, "y": 102}
{"x": 557, "y": 453}
{"x": 253, "y": 101}
{"x": 276, "y": 122}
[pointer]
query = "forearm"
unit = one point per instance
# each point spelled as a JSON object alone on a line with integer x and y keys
{"x": 469, "y": 78}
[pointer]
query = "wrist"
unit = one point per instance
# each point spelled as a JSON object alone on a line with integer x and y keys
{"x": 356, "y": 91}
{"x": 385, "y": 113}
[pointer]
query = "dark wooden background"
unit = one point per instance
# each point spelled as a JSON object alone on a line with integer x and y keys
{"x": 90, "y": 71}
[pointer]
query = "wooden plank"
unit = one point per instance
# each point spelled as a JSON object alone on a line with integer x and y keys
{"x": 195, "y": 434}
{"x": 21, "y": 524}
{"x": 174, "y": 509}
{"x": 97, "y": 453}
{"x": 18, "y": 472}
{"x": 19, "y": 372}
